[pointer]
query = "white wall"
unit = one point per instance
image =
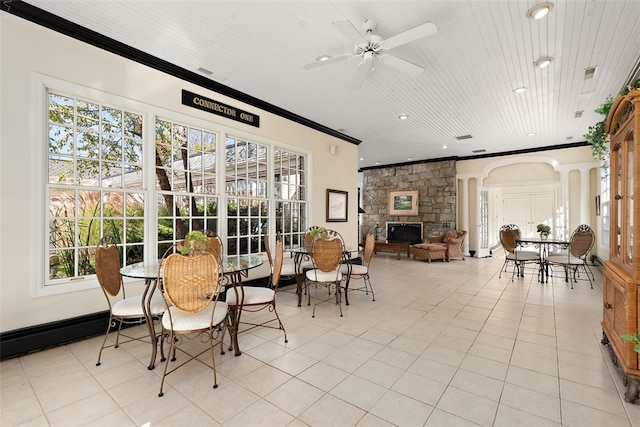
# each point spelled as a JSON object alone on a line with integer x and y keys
{"x": 29, "y": 51}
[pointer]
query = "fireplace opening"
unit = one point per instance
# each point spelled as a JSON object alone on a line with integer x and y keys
{"x": 404, "y": 232}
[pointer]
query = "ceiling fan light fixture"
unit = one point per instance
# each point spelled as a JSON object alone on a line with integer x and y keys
{"x": 539, "y": 11}
{"x": 543, "y": 62}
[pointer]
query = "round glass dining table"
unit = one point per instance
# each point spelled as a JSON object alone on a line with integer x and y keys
{"x": 234, "y": 268}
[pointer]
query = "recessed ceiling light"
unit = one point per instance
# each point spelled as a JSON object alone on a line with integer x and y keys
{"x": 539, "y": 11}
{"x": 409, "y": 158}
{"x": 377, "y": 162}
{"x": 531, "y": 134}
{"x": 322, "y": 58}
{"x": 403, "y": 116}
{"x": 444, "y": 146}
{"x": 521, "y": 89}
{"x": 543, "y": 62}
{"x": 361, "y": 158}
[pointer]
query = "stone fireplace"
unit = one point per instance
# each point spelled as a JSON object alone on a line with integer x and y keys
{"x": 404, "y": 232}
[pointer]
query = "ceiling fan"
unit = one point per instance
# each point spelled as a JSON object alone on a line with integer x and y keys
{"x": 372, "y": 48}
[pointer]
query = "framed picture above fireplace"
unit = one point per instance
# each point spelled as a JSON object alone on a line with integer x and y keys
{"x": 403, "y": 202}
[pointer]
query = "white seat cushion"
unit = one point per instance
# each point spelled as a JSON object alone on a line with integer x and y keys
{"x": 252, "y": 295}
{"x": 183, "y": 322}
{"x": 132, "y": 306}
{"x": 564, "y": 259}
{"x": 356, "y": 269}
{"x": 525, "y": 256}
{"x": 318, "y": 275}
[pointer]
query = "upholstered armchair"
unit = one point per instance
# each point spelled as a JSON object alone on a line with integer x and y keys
{"x": 453, "y": 239}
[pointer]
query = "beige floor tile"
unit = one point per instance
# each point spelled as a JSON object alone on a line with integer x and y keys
{"x": 379, "y": 373}
{"x": 593, "y": 397}
{"x": 531, "y": 401}
{"x": 469, "y": 406}
{"x": 295, "y": 396}
{"x": 574, "y": 414}
{"x": 421, "y": 388}
{"x": 83, "y": 411}
{"x": 331, "y": 411}
{"x": 486, "y": 367}
{"x": 358, "y": 392}
{"x": 401, "y": 410}
{"x": 509, "y": 417}
{"x": 440, "y": 418}
{"x": 481, "y": 385}
{"x": 323, "y": 376}
{"x": 293, "y": 362}
{"x": 260, "y": 413}
{"x": 533, "y": 380}
{"x": 264, "y": 380}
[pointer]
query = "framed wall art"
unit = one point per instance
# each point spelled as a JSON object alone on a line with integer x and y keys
{"x": 337, "y": 205}
{"x": 403, "y": 202}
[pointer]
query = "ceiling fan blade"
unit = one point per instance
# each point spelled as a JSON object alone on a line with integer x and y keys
{"x": 408, "y": 36}
{"x": 317, "y": 64}
{"x": 361, "y": 73}
{"x": 402, "y": 65}
{"x": 351, "y": 32}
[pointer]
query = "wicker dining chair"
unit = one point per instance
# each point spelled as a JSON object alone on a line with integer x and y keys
{"x": 509, "y": 235}
{"x": 580, "y": 244}
{"x": 288, "y": 270}
{"x": 360, "y": 271}
{"x": 122, "y": 309}
{"x": 257, "y": 298}
{"x": 327, "y": 254}
{"x": 191, "y": 285}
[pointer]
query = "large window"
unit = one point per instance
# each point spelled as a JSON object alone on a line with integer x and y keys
{"x": 94, "y": 186}
{"x": 246, "y": 176}
{"x": 185, "y": 181}
{"x": 99, "y": 183}
{"x": 290, "y": 193}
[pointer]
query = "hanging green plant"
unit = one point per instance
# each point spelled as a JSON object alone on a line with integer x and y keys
{"x": 598, "y": 138}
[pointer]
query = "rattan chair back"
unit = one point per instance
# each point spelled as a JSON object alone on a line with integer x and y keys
{"x": 108, "y": 266}
{"x": 277, "y": 264}
{"x": 267, "y": 248}
{"x": 190, "y": 282}
{"x": 508, "y": 240}
{"x": 308, "y": 238}
{"x": 582, "y": 241}
{"x": 369, "y": 246}
{"x": 327, "y": 251}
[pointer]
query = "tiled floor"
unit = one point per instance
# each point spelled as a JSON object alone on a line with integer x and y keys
{"x": 444, "y": 344}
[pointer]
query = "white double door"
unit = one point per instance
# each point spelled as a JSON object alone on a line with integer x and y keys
{"x": 527, "y": 210}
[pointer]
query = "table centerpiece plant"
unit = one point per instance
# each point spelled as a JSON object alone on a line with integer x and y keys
{"x": 194, "y": 241}
{"x": 544, "y": 230}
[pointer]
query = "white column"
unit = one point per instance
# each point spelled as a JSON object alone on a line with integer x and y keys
{"x": 464, "y": 213}
{"x": 585, "y": 195}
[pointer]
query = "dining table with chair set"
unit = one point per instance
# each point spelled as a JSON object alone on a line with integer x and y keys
{"x": 547, "y": 252}
{"x": 194, "y": 289}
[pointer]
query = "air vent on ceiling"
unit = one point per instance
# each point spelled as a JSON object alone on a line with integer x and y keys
{"x": 479, "y": 151}
{"x": 205, "y": 71}
{"x": 579, "y": 114}
{"x": 342, "y": 130}
{"x": 461, "y": 137}
{"x": 590, "y": 72}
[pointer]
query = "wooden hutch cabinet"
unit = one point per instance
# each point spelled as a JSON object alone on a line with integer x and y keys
{"x": 622, "y": 270}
